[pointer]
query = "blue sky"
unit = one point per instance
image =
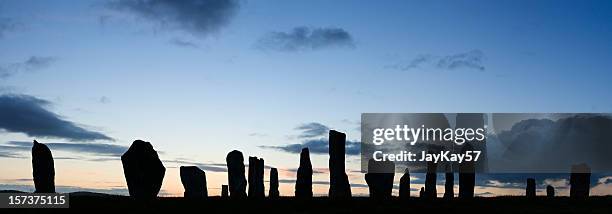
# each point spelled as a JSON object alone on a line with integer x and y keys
{"x": 198, "y": 85}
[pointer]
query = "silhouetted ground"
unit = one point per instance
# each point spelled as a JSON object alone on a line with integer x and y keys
{"x": 94, "y": 202}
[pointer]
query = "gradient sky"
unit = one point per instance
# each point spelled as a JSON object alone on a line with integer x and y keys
{"x": 198, "y": 82}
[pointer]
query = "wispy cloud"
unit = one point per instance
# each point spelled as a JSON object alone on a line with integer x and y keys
{"x": 101, "y": 149}
{"x": 306, "y": 39}
{"x": 197, "y": 17}
{"x": 314, "y": 137}
{"x": 7, "y": 25}
{"x": 28, "y": 115}
{"x": 33, "y": 63}
{"x": 183, "y": 43}
{"x": 473, "y": 60}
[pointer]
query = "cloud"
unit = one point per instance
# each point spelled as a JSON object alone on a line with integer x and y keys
{"x": 28, "y": 115}
{"x": 314, "y": 137}
{"x": 7, "y": 25}
{"x": 197, "y": 17}
{"x": 104, "y": 100}
{"x": 472, "y": 60}
{"x": 33, "y": 63}
{"x": 317, "y": 146}
{"x": 313, "y": 129}
{"x": 183, "y": 43}
{"x": 100, "y": 149}
{"x": 213, "y": 167}
{"x": 306, "y": 39}
{"x": 67, "y": 189}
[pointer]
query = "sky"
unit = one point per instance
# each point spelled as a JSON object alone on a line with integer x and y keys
{"x": 200, "y": 78}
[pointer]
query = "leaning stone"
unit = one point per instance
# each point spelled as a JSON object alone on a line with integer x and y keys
{"x": 339, "y": 186}
{"x": 194, "y": 182}
{"x": 43, "y": 169}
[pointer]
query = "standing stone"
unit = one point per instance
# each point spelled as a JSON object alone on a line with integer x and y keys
{"x": 235, "y": 174}
{"x": 224, "y": 191}
{"x": 422, "y": 192}
{"x": 251, "y": 176}
{"x": 531, "y": 188}
{"x": 144, "y": 171}
{"x": 273, "y": 192}
{"x": 194, "y": 182}
{"x": 550, "y": 191}
{"x": 339, "y": 186}
{"x": 430, "y": 180}
{"x": 43, "y": 169}
{"x": 404, "y": 188}
{"x": 580, "y": 181}
{"x": 467, "y": 176}
{"x": 261, "y": 189}
{"x": 449, "y": 191}
{"x": 303, "y": 183}
{"x": 256, "y": 174}
{"x": 380, "y": 178}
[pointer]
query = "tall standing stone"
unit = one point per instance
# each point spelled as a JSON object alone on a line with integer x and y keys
{"x": 273, "y": 192}
{"x": 380, "y": 178}
{"x": 530, "y": 191}
{"x": 430, "y": 180}
{"x": 467, "y": 176}
{"x": 194, "y": 182}
{"x": 580, "y": 181}
{"x": 449, "y": 191}
{"x": 256, "y": 173}
{"x": 224, "y": 191}
{"x": 422, "y": 192}
{"x": 550, "y": 191}
{"x": 404, "y": 187}
{"x": 144, "y": 171}
{"x": 339, "y": 184}
{"x": 235, "y": 174}
{"x": 43, "y": 169}
{"x": 303, "y": 183}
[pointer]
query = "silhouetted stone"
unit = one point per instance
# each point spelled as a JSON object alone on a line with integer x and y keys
{"x": 303, "y": 183}
{"x": 404, "y": 187}
{"x": 224, "y": 191}
{"x": 235, "y": 174}
{"x": 194, "y": 182}
{"x": 256, "y": 187}
{"x": 550, "y": 191}
{"x": 580, "y": 181}
{"x": 422, "y": 192}
{"x": 449, "y": 191}
{"x": 380, "y": 180}
{"x": 273, "y": 192}
{"x": 144, "y": 171}
{"x": 43, "y": 169}
{"x": 430, "y": 180}
{"x": 467, "y": 176}
{"x": 339, "y": 186}
{"x": 531, "y": 188}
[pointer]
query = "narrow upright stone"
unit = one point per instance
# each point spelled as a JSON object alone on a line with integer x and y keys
{"x": 430, "y": 180}
{"x": 404, "y": 191}
{"x": 467, "y": 176}
{"x": 422, "y": 192}
{"x": 43, "y": 169}
{"x": 224, "y": 191}
{"x": 259, "y": 179}
{"x": 251, "y": 176}
{"x": 550, "y": 191}
{"x": 580, "y": 181}
{"x": 449, "y": 191}
{"x": 531, "y": 188}
{"x": 303, "y": 183}
{"x": 273, "y": 192}
{"x": 380, "y": 178}
{"x": 235, "y": 174}
{"x": 194, "y": 182}
{"x": 144, "y": 171}
{"x": 339, "y": 186}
